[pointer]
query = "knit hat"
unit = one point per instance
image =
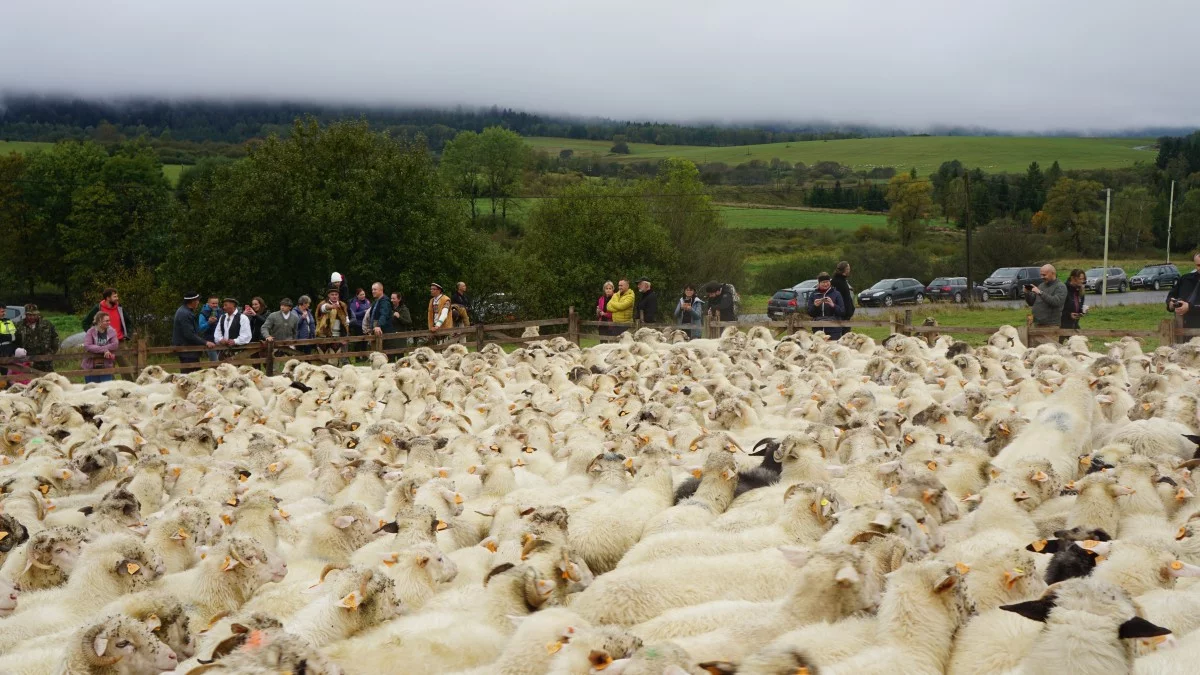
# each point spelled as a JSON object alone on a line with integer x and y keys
{"x": 20, "y": 353}
{"x": 335, "y": 278}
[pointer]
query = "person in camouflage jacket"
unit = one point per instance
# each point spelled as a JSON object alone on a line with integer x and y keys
{"x": 37, "y": 337}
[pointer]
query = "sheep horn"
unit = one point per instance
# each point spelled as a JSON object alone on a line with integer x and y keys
{"x": 331, "y": 567}
{"x": 94, "y": 646}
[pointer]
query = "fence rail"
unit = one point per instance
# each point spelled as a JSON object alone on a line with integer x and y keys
{"x": 136, "y": 355}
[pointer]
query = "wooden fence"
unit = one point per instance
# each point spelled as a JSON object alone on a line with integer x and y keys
{"x": 138, "y": 354}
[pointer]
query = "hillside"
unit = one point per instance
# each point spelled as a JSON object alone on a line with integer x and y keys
{"x": 994, "y": 154}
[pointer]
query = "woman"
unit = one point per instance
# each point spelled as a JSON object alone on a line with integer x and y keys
{"x": 307, "y": 328}
{"x": 100, "y": 343}
{"x": 1074, "y": 307}
{"x": 602, "y": 313}
{"x": 358, "y": 309}
{"x": 257, "y": 314}
{"x": 688, "y": 311}
{"x": 401, "y": 321}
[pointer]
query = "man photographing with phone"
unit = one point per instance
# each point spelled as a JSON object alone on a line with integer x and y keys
{"x": 1182, "y": 299}
{"x": 1047, "y": 300}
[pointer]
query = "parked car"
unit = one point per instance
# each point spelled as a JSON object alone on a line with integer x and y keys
{"x": 785, "y": 301}
{"x": 14, "y": 313}
{"x": 1009, "y": 282}
{"x": 953, "y": 289}
{"x": 1116, "y": 279}
{"x": 495, "y": 308}
{"x": 1155, "y": 276}
{"x": 805, "y": 289}
{"x": 890, "y": 292}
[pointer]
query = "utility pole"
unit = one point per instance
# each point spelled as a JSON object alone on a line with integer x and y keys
{"x": 1104, "y": 277}
{"x": 967, "y": 223}
{"x": 1170, "y": 215}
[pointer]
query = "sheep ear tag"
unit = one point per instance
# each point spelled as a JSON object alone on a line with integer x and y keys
{"x": 1137, "y": 627}
{"x": 228, "y": 564}
{"x": 351, "y": 601}
{"x": 153, "y": 622}
{"x": 131, "y": 568}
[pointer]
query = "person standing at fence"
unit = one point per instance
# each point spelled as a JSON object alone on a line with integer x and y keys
{"x": 620, "y": 306}
{"x": 1185, "y": 295}
{"x": 100, "y": 342}
{"x": 8, "y": 336}
{"x": 1047, "y": 300}
{"x": 185, "y": 331}
{"x": 602, "y": 313}
{"x": 343, "y": 286}
{"x": 1074, "y": 308}
{"x": 257, "y": 313}
{"x": 439, "y": 315}
{"x": 333, "y": 320}
{"x": 841, "y": 282}
{"x": 110, "y": 304}
{"x": 39, "y": 338}
{"x": 720, "y": 302}
{"x": 825, "y": 304}
{"x": 306, "y": 326}
{"x": 462, "y": 299}
{"x": 281, "y": 325}
{"x": 357, "y": 310}
{"x": 689, "y": 311}
{"x": 378, "y": 320}
{"x": 401, "y": 318}
{"x": 233, "y": 328}
{"x": 206, "y": 323}
{"x": 647, "y": 304}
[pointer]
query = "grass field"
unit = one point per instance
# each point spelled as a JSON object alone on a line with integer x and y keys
{"x": 760, "y": 218}
{"x": 926, "y": 153}
{"x": 172, "y": 172}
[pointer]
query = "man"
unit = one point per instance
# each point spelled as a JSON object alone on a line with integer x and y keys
{"x": 647, "y": 305}
{"x": 206, "y": 323}
{"x": 343, "y": 287}
{"x": 462, "y": 298}
{"x": 1074, "y": 307}
{"x": 439, "y": 316}
{"x": 8, "y": 337}
{"x": 233, "y": 328}
{"x": 1047, "y": 300}
{"x": 720, "y": 302}
{"x": 1183, "y": 297}
{"x": 110, "y": 305}
{"x": 281, "y": 325}
{"x": 825, "y": 304}
{"x": 185, "y": 331}
{"x": 38, "y": 338}
{"x": 841, "y": 282}
{"x": 333, "y": 319}
{"x": 380, "y": 314}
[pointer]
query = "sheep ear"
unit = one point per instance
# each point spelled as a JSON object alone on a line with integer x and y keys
{"x": 100, "y": 643}
{"x": 351, "y": 601}
{"x": 153, "y": 622}
{"x": 795, "y": 555}
{"x": 1044, "y": 546}
{"x": 342, "y": 522}
{"x": 390, "y": 528}
{"x": 1035, "y": 610}
{"x": 1137, "y": 627}
{"x": 713, "y": 668}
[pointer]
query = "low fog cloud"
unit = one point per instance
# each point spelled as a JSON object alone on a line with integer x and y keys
{"x": 1015, "y": 65}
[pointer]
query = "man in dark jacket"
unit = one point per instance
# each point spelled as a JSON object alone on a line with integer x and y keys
{"x": 720, "y": 302}
{"x": 841, "y": 282}
{"x": 39, "y": 338}
{"x": 184, "y": 331}
{"x": 1075, "y": 307}
{"x": 647, "y": 306}
{"x": 1047, "y": 300}
{"x": 1185, "y": 295}
{"x": 825, "y": 304}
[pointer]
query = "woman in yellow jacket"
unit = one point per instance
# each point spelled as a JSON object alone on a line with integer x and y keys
{"x": 620, "y": 305}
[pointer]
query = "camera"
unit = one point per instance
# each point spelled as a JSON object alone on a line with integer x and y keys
{"x": 1028, "y": 287}
{"x": 1172, "y": 304}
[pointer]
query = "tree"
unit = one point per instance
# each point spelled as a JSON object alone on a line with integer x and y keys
{"x": 337, "y": 198}
{"x": 20, "y": 235}
{"x": 619, "y": 148}
{"x": 1071, "y": 212}
{"x": 910, "y": 199}
{"x": 1032, "y": 189}
{"x": 1131, "y": 224}
{"x": 1186, "y": 228}
{"x": 503, "y": 156}
{"x": 565, "y": 154}
{"x": 590, "y": 233}
{"x": 461, "y": 168}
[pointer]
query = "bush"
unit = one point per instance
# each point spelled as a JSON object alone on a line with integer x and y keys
{"x": 620, "y": 148}
{"x": 788, "y": 272}
{"x": 872, "y": 261}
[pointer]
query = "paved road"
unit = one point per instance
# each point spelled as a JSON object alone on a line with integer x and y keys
{"x": 1114, "y": 300}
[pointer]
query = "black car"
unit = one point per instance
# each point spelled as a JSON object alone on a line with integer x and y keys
{"x": 785, "y": 301}
{"x": 953, "y": 289}
{"x": 1155, "y": 276}
{"x": 890, "y": 292}
{"x": 1009, "y": 282}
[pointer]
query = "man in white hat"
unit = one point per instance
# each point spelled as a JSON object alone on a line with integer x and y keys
{"x": 343, "y": 288}
{"x": 439, "y": 309}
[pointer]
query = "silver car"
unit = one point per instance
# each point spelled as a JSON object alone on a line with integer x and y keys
{"x": 1115, "y": 279}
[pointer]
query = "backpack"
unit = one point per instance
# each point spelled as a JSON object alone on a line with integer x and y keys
{"x": 460, "y": 315}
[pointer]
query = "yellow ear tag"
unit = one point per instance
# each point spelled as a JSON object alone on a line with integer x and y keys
{"x": 1039, "y": 545}
{"x": 132, "y": 568}
{"x": 962, "y": 567}
{"x": 553, "y": 647}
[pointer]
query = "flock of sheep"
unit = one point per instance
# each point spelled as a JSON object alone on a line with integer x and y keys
{"x": 655, "y": 506}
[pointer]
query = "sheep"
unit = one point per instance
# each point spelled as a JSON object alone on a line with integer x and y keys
{"x": 718, "y": 481}
{"x": 9, "y": 594}
{"x": 1057, "y": 433}
{"x": 417, "y": 571}
{"x": 351, "y": 601}
{"x": 12, "y": 535}
{"x": 113, "y": 645}
{"x": 47, "y": 559}
{"x": 1074, "y": 552}
{"x": 230, "y": 573}
{"x": 1085, "y": 621}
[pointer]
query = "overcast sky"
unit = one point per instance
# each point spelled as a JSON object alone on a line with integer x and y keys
{"x": 1009, "y": 64}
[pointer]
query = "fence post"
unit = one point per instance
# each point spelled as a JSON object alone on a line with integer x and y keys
{"x": 707, "y": 332}
{"x": 908, "y": 322}
{"x": 480, "y": 336}
{"x": 140, "y": 359}
{"x": 1023, "y": 331}
{"x": 377, "y": 343}
{"x": 573, "y": 325}
{"x": 269, "y": 364}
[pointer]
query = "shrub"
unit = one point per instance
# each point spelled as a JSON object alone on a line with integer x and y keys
{"x": 790, "y": 271}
